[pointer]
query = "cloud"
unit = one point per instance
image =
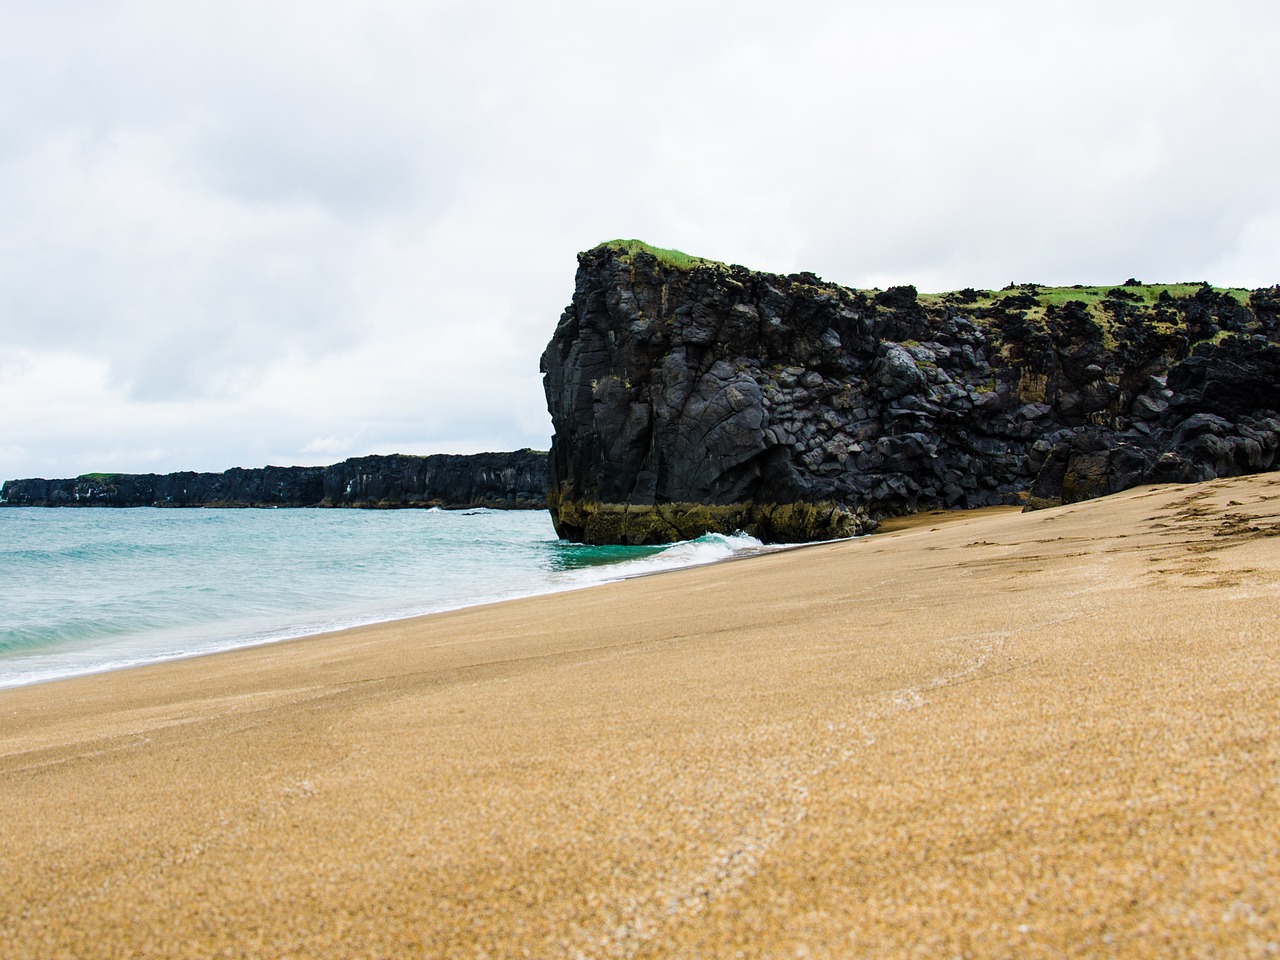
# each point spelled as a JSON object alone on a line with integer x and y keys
{"x": 243, "y": 232}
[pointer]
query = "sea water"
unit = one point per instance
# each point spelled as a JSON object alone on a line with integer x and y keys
{"x": 86, "y": 590}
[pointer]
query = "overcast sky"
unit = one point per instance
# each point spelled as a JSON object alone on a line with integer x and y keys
{"x": 239, "y": 233}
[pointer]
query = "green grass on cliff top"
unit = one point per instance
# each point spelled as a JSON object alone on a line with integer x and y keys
{"x": 1147, "y": 293}
{"x": 676, "y": 259}
{"x": 1056, "y": 296}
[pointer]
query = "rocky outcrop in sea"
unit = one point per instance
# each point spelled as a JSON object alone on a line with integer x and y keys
{"x": 515, "y": 480}
{"x": 690, "y": 396}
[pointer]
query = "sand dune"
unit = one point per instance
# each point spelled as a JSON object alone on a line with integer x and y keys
{"x": 990, "y": 735}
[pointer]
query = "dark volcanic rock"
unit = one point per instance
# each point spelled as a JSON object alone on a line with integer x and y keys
{"x": 516, "y": 480}
{"x": 1238, "y": 377}
{"x": 264, "y": 486}
{"x": 690, "y": 396}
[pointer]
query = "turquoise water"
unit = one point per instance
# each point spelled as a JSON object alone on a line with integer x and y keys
{"x": 85, "y": 590}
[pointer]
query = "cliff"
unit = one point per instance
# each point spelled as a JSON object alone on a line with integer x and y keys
{"x": 687, "y": 395}
{"x": 516, "y": 480}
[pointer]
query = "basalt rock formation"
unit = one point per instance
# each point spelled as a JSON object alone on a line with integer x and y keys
{"x": 690, "y": 396}
{"x": 516, "y": 480}
{"x": 265, "y": 486}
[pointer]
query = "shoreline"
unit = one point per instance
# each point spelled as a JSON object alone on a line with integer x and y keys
{"x": 893, "y": 524}
{"x": 301, "y": 630}
{"x": 1044, "y": 734}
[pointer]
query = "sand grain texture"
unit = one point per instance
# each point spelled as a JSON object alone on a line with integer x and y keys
{"x": 986, "y": 735}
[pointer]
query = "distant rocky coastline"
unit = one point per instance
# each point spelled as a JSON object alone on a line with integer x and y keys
{"x": 690, "y": 396}
{"x": 509, "y": 481}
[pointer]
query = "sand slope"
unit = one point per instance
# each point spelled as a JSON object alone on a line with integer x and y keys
{"x": 987, "y": 735}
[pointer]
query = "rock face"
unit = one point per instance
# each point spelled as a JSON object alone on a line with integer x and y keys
{"x": 690, "y": 396}
{"x": 516, "y": 480}
{"x": 266, "y": 486}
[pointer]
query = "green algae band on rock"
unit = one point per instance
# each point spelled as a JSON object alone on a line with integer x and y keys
{"x": 638, "y": 524}
{"x": 690, "y": 396}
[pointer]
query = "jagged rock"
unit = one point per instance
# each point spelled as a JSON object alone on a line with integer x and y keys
{"x": 516, "y": 480}
{"x": 688, "y": 396}
{"x": 1236, "y": 377}
{"x": 264, "y": 486}
{"x": 1086, "y": 465}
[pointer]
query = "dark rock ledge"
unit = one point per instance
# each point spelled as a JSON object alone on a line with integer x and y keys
{"x": 690, "y": 396}
{"x": 516, "y": 480}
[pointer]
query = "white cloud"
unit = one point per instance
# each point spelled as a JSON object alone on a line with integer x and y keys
{"x": 237, "y": 233}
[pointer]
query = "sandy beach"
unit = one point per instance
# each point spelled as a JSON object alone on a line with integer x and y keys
{"x": 986, "y": 734}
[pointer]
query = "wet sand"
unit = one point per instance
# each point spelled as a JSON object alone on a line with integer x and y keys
{"x": 988, "y": 735}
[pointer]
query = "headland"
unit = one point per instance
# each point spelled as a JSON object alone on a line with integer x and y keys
{"x": 515, "y": 480}
{"x": 691, "y": 396}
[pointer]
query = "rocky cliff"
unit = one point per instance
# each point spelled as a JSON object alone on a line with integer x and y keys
{"x": 516, "y": 480}
{"x": 687, "y": 395}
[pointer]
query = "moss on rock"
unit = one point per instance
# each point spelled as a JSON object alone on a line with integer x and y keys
{"x": 641, "y": 524}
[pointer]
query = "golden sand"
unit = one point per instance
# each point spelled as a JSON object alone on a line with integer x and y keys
{"x": 1002, "y": 735}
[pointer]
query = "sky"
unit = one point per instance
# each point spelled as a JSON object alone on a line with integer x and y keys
{"x": 247, "y": 233}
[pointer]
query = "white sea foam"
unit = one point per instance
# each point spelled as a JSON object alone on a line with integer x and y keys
{"x": 711, "y": 548}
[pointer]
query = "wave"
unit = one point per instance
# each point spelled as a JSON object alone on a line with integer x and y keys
{"x": 709, "y": 548}
{"x": 85, "y": 595}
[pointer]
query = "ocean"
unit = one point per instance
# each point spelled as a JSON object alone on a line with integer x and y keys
{"x": 88, "y": 590}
